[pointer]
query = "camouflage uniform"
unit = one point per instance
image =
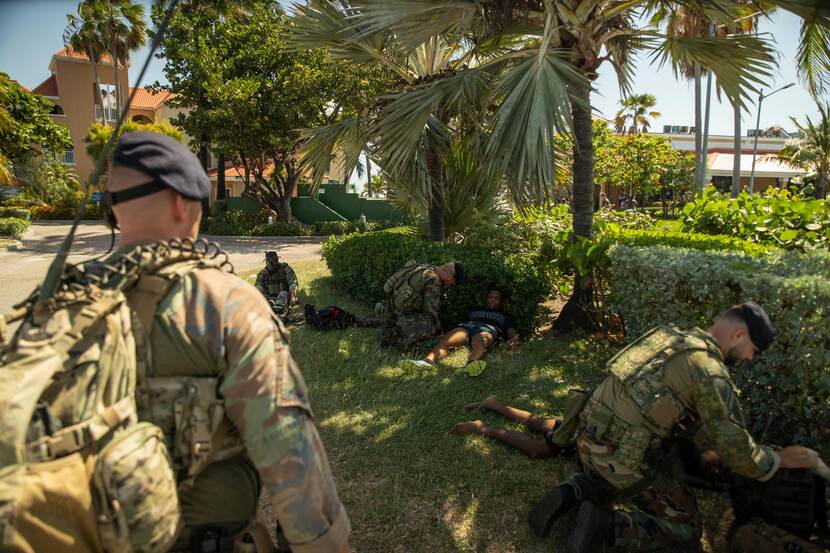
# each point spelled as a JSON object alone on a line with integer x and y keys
{"x": 277, "y": 286}
{"x": 410, "y": 313}
{"x": 213, "y": 330}
{"x": 667, "y": 384}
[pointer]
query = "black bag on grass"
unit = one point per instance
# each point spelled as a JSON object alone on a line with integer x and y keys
{"x": 329, "y": 318}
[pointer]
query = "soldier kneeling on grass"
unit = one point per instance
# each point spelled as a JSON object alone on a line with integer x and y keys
{"x": 413, "y": 294}
{"x": 668, "y": 384}
{"x": 278, "y": 283}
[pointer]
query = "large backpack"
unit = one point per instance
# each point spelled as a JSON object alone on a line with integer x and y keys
{"x": 79, "y": 471}
{"x": 328, "y": 318}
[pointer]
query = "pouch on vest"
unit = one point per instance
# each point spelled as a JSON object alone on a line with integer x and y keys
{"x": 564, "y": 435}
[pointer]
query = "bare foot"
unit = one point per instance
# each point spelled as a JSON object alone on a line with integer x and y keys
{"x": 490, "y": 403}
{"x": 472, "y": 427}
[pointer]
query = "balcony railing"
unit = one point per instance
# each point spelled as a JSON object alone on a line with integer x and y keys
{"x": 110, "y": 113}
{"x": 68, "y": 157}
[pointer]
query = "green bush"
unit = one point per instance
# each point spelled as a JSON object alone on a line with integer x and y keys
{"x": 232, "y": 222}
{"x": 779, "y": 218}
{"x": 17, "y": 212}
{"x": 686, "y": 240}
{"x": 328, "y": 228}
{"x": 361, "y": 263}
{"x": 13, "y": 227}
{"x": 281, "y": 228}
{"x": 785, "y": 391}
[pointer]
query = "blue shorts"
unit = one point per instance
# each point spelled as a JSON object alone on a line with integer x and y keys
{"x": 474, "y": 329}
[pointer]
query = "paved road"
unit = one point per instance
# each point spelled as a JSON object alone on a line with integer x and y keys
{"x": 21, "y": 271}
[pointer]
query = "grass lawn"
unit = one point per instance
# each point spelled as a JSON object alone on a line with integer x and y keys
{"x": 668, "y": 225}
{"x": 407, "y": 484}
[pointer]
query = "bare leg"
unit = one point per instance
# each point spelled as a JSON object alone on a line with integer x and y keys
{"x": 530, "y": 446}
{"x": 455, "y": 338}
{"x": 531, "y": 421}
{"x": 481, "y": 344}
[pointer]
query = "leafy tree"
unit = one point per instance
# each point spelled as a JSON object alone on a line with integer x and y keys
{"x": 635, "y": 110}
{"x": 812, "y": 150}
{"x": 636, "y": 163}
{"x": 98, "y": 135}
{"x": 26, "y": 129}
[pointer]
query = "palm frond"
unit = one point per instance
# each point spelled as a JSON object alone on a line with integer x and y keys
{"x": 414, "y": 21}
{"x": 345, "y": 138}
{"x": 741, "y": 63}
{"x": 622, "y": 51}
{"x": 535, "y": 106}
{"x": 403, "y": 121}
{"x": 813, "y": 57}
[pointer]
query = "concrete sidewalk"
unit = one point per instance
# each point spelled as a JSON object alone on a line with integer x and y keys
{"x": 21, "y": 271}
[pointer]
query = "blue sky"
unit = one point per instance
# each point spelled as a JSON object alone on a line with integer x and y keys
{"x": 31, "y": 30}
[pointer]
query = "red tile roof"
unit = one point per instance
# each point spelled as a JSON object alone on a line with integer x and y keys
{"x": 146, "y": 99}
{"x": 72, "y": 54}
{"x": 49, "y": 87}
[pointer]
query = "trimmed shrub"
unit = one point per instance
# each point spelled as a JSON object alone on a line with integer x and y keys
{"x": 785, "y": 391}
{"x": 13, "y": 227}
{"x": 687, "y": 240}
{"x": 361, "y": 263}
{"x": 281, "y": 228}
{"x": 16, "y": 212}
{"x": 779, "y": 218}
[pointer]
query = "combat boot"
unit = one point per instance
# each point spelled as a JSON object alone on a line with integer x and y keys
{"x": 556, "y": 503}
{"x": 594, "y": 527}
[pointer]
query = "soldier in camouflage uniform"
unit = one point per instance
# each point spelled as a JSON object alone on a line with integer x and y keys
{"x": 667, "y": 384}
{"x": 278, "y": 283}
{"x": 410, "y": 313}
{"x": 214, "y": 334}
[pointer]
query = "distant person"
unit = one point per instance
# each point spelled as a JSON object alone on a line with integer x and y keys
{"x": 413, "y": 294}
{"x": 604, "y": 202}
{"x": 278, "y": 283}
{"x": 485, "y": 327}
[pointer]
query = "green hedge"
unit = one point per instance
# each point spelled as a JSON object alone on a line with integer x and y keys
{"x": 361, "y": 263}
{"x": 779, "y": 217}
{"x": 16, "y": 212}
{"x": 786, "y": 390}
{"x": 239, "y": 223}
{"x": 13, "y": 226}
{"x": 688, "y": 240}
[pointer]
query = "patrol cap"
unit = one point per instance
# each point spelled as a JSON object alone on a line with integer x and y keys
{"x": 760, "y": 328}
{"x": 271, "y": 254}
{"x": 458, "y": 273}
{"x": 169, "y": 162}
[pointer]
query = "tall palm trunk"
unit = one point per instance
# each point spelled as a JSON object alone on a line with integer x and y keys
{"x": 96, "y": 82}
{"x": 435, "y": 165}
{"x": 576, "y": 312}
{"x": 735, "y": 189}
{"x": 698, "y": 128}
{"x": 368, "y": 175}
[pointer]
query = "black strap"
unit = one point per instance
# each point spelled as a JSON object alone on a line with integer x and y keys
{"x": 139, "y": 191}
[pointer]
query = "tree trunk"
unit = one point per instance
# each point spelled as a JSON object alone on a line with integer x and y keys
{"x": 577, "y": 311}
{"x": 220, "y": 177}
{"x": 735, "y": 189}
{"x": 203, "y": 151}
{"x": 96, "y": 82}
{"x": 368, "y": 175}
{"x": 436, "y": 201}
{"x": 698, "y": 129}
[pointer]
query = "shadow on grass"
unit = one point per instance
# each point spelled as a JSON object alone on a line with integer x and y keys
{"x": 407, "y": 484}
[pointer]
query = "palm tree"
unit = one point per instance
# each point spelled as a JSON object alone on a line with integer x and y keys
{"x": 636, "y": 110}
{"x": 539, "y": 58}
{"x": 85, "y": 32}
{"x": 126, "y": 31}
{"x": 812, "y": 150}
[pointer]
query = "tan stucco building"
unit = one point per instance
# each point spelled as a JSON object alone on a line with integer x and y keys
{"x": 71, "y": 88}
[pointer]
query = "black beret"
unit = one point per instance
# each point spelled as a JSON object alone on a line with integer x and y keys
{"x": 760, "y": 328}
{"x": 166, "y": 160}
{"x": 271, "y": 253}
{"x": 458, "y": 273}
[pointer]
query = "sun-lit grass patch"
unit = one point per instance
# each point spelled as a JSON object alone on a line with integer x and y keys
{"x": 408, "y": 485}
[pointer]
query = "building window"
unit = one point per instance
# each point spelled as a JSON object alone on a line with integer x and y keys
{"x": 68, "y": 157}
{"x": 56, "y": 110}
{"x": 143, "y": 119}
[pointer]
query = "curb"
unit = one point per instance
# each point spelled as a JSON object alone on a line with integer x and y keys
{"x": 19, "y": 244}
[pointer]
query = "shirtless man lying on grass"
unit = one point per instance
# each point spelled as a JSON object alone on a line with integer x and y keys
{"x": 528, "y": 444}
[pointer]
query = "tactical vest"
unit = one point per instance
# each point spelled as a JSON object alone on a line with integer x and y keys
{"x": 276, "y": 282}
{"x": 405, "y": 288}
{"x": 84, "y": 467}
{"x": 640, "y": 370}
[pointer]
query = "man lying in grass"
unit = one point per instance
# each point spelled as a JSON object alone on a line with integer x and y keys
{"x": 484, "y": 328}
{"x": 524, "y": 442}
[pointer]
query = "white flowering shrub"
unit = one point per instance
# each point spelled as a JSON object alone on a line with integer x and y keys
{"x": 786, "y": 391}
